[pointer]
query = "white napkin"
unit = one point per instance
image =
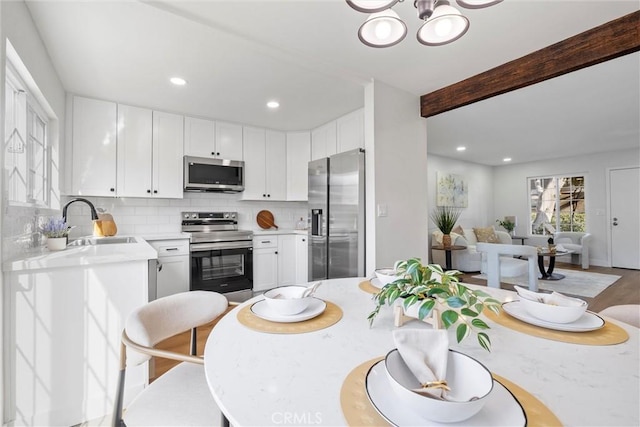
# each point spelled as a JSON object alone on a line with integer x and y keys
{"x": 425, "y": 352}
{"x": 555, "y": 298}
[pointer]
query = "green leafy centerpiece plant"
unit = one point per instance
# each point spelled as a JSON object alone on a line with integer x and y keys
{"x": 434, "y": 290}
{"x": 445, "y": 218}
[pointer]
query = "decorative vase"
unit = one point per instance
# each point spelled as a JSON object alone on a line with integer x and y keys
{"x": 56, "y": 243}
{"x": 446, "y": 240}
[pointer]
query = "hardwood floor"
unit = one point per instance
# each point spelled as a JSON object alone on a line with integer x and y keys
{"x": 625, "y": 290}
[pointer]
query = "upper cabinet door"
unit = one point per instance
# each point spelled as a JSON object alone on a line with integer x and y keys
{"x": 134, "y": 151}
{"x": 199, "y": 137}
{"x": 254, "y": 164}
{"x": 298, "y": 156}
{"x": 276, "y": 167}
{"x": 323, "y": 141}
{"x": 229, "y": 141}
{"x": 93, "y": 147}
{"x": 350, "y": 131}
{"x": 168, "y": 142}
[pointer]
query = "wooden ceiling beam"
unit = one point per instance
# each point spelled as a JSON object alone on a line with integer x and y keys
{"x": 608, "y": 41}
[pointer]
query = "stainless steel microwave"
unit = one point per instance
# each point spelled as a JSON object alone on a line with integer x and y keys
{"x": 203, "y": 174}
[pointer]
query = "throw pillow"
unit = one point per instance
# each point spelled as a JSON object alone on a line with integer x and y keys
{"x": 486, "y": 235}
{"x": 458, "y": 230}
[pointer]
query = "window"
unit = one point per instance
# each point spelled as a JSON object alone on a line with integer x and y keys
{"x": 27, "y": 151}
{"x": 557, "y": 204}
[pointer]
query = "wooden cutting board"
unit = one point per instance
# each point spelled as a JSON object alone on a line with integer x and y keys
{"x": 265, "y": 220}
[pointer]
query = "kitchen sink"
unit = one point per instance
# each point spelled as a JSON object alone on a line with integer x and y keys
{"x": 89, "y": 241}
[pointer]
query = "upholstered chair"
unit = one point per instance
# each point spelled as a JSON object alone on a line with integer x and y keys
{"x": 577, "y": 242}
{"x": 500, "y": 262}
{"x": 181, "y": 396}
{"x": 627, "y": 313}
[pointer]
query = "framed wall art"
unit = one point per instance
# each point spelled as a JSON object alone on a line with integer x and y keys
{"x": 452, "y": 190}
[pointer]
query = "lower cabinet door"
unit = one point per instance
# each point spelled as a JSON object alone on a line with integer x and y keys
{"x": 173, "y": 277}
{"x": 265, "y": 269}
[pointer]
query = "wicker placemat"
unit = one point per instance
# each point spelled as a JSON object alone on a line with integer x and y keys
{"x": 358, "y": 410}
{"x": 368, "y": 287}
{"x": 331, "y": 315}
{"x": 609, "y": 334}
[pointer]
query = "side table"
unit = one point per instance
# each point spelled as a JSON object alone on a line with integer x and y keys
{"x": 447, "y": 253}
{"x": 548, "y": 273}
{"x": 521, "y": 238}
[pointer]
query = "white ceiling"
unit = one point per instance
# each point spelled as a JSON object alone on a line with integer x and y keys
{"x": 237, "y": 54}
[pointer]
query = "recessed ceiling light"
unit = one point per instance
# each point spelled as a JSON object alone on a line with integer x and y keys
{"x": 506, "y": 159}
{"x": 461, "y": 148}
{"x": 178, "y": 81}
{"x": 273, "y": 104}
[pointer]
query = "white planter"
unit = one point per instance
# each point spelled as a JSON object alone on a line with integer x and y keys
{"x": 402, "y": 315}
{"x": 56, "y": 243}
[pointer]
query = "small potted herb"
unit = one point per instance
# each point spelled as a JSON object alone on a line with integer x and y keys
{"x": 56, "y": 231}
{"x": 431, "y": 289}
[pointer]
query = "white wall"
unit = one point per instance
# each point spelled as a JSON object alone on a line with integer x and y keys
{"x": 480, "y": 212}
{"x": 17, "y": 26}
{"x": 512, "y": 181}
{"x": 395, "y": 142}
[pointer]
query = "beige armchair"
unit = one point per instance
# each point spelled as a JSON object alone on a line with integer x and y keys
{"x": 577, "y": 242}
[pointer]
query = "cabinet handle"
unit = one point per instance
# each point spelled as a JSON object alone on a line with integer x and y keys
{"x": 268, "y": 195}
{"x": 217, "y": 154}
{"x": 264, "y": 195}
{"x": 148, "y": 191}
{"x": 304, "y": 240}
{"x": 171, "y": 249}
{"x": 276, "y": 252}
{"x": 112, "y": 189}
{"x": 266, "y": 241}
{"x": 213, "y": 153}
{"x": 155, "y": 191}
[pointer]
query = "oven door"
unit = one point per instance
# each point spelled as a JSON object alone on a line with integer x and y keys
{"x": 221, "y": 270}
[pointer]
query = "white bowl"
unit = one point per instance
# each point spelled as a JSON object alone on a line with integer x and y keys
{"x": 286, "y": 300}
{"x": 465, "y": 376}
{"x": 386, "y": 275}
{"x": 550, "y": 311}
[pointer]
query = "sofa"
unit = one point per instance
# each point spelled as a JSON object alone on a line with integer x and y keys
{"x": 469, "y": 259}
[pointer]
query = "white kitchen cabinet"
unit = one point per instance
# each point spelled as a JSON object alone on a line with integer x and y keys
{"x": 62, "y": 340}
{"x": 206, "y": 138}
{"x": 286, "y": 259}
{"x": 167, "y": 169}
{"x": 265, "y": 262}
{"x": 174, "y": 266}
{"x": 323, "y": 141}
{"x": 298, "y": 156}
{"x": 93, "y": 137}
{"x": 279, "y": 260}
{"x": 302, "y": 259}
{"x": 265, "y": 164}
{"x": 150, "y": 147}
{"x": 135, "y": 145}
{"x": 229, "y": 141}
{"x": 350, "y": 131}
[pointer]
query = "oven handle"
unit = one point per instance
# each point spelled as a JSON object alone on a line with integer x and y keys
{"x": 199, "y": 247}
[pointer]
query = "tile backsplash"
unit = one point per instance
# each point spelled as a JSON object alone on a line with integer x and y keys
{"x": 20, "y": 228}
{"x": 149, "y": 216}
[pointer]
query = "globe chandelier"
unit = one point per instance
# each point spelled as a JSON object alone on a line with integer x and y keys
{"x": 443, "y": 22}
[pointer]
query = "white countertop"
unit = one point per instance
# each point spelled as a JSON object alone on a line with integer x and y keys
{"x": 279, "y": 231}
{"x": 300, "y": 374}
{"x": 42, "y": 258}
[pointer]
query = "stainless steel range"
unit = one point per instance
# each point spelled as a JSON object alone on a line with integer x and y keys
{"x": 221, "y": 255}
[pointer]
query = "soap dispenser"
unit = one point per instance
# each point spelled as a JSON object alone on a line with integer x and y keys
{"x": 301, "y": 225}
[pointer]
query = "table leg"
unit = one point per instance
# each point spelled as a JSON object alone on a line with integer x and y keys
{"x": 548, "y": 273}
{"x": 447, "y": 257}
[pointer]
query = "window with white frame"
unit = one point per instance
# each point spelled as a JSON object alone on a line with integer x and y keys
{"x": 27, "y": 151}
{"x": 557, "y": 204}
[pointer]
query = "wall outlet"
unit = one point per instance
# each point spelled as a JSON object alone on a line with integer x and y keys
{"x": 382, "y": 210}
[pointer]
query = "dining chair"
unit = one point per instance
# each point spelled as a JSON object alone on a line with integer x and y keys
{"x": 181, "y": 396}
{"x": 627, "y": 313}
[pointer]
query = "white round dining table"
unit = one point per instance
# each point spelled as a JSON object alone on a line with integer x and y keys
{"x": 262, "y": 379}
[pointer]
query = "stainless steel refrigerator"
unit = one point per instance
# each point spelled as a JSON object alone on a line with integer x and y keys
{"x": 337, "y": 213}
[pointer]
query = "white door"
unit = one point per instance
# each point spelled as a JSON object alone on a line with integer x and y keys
{"x": 228, "y": 141}
{"x": 134, "y": 151}
{"x": 168, "y": 148}
{"x": 199, "y": 137}
{"x": 276, "y": 165}
{"x": 287, "y": 259}
{"x": 625, "y": 211}
{"x": 298, "y": 156}
{"x": 254, "y": 162}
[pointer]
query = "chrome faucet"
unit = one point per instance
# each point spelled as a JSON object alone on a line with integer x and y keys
{"x": 94, "y": 213}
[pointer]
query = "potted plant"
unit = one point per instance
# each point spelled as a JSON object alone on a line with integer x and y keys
{"x": 507, "y": 225}
{"x": 430, "y": 288}
{"x": 445, "y": 218}
{"x": 56, "y": 230}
